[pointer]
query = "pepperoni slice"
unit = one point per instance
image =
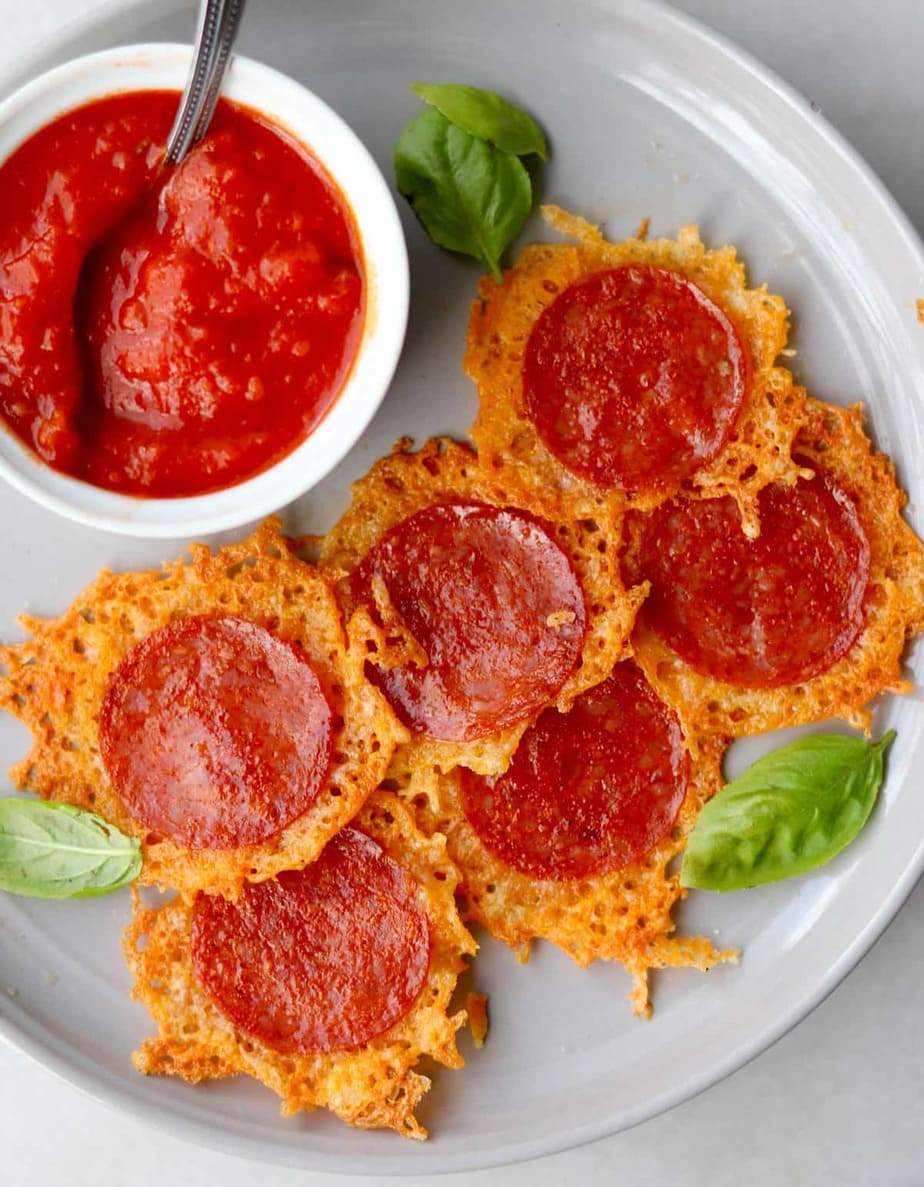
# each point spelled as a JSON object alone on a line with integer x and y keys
{"x": 588, "y": 791}
{"x": 758, "y": 613}
{"x": 215, "y": 733}
{"x": 321, "y": 959}
{"x": 633, "y": 378}
{"x": 495, "y": 605}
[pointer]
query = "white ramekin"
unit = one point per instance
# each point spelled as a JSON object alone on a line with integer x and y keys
{"x": 308, "y": 119}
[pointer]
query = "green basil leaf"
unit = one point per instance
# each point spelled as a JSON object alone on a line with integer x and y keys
{"x": 470, "y": 196}
{"x": 792, "y": 811}
{"x": 486, "y": 116}
{"x": 51, "y": 850}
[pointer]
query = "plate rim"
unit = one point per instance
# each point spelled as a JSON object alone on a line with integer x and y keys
{"x": 103, "y": 1088}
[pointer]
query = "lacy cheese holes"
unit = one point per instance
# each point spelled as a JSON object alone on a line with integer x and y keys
{"x": 588, "y": 791}
{"x": 758, "y": 613}
{"x": 493, "y": 603}
{"x": 633, "y": 378}
{"x": 215, "y": 734}
{"x": 323, "y": 959}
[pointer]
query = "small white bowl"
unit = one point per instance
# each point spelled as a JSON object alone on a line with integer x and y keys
{"x": 310, "y": 121}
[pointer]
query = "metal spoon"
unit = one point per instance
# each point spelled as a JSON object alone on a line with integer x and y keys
{"x": 219, "y": 21}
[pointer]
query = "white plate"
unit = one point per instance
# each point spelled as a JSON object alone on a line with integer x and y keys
{"x": 648, "y": 115}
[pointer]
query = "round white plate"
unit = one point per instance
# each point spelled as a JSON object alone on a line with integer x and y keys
{"x": 648, "y": 115}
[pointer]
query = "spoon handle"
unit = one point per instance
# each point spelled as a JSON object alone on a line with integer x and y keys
{"x": 218, "y": 25}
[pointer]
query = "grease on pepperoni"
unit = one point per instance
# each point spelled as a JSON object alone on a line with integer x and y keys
{"x": 588, "y": 791}
{"x": 761, "y": 612}
{"x": 496, "y": 607}
{"x": 319, "y": 960}
{"x": 214, "y": 733}
{"x": 634, "y": 378}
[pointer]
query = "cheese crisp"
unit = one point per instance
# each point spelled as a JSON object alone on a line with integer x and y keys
{"x": 441, "y": 473}
{"x": 623, "y": 916}
{"x": 373, "y": 1087}
{"x": 831, "y": 440}
{"x": 503, "y": 317}
{"x": 57, "y": 682}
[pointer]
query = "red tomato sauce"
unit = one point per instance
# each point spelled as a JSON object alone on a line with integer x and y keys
{"x": 171, "y": 335}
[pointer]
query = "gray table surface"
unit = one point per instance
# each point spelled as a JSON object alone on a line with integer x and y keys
{"x": 840, "y": 1100}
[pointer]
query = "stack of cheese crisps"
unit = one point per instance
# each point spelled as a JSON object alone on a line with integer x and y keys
{"x": 505, "y": 689}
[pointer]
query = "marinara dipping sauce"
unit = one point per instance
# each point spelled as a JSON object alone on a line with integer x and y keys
{"x": 171, "y": 335}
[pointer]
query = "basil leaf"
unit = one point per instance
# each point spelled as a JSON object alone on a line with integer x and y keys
{"x": 792, "y": 811}
{"x": 470, "y": 196}
{"x": 486, "y": 116}
{"x": 51, "y": 850}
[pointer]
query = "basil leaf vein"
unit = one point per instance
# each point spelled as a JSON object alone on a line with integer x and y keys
{"x": 486, "y": 116}
{"x": 470, "y": 196}
{"x": 52, "y": 850}
{"x": 789, "y": 813}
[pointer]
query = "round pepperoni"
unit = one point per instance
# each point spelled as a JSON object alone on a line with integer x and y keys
{"x": 759, "y": 613}
{"x": 633, "y": 378}
{"x": 495, "y": 605}
{"x": 588, "y": 791}
{"x": 320, "y": 959}
{"x": 215, "y": 733}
